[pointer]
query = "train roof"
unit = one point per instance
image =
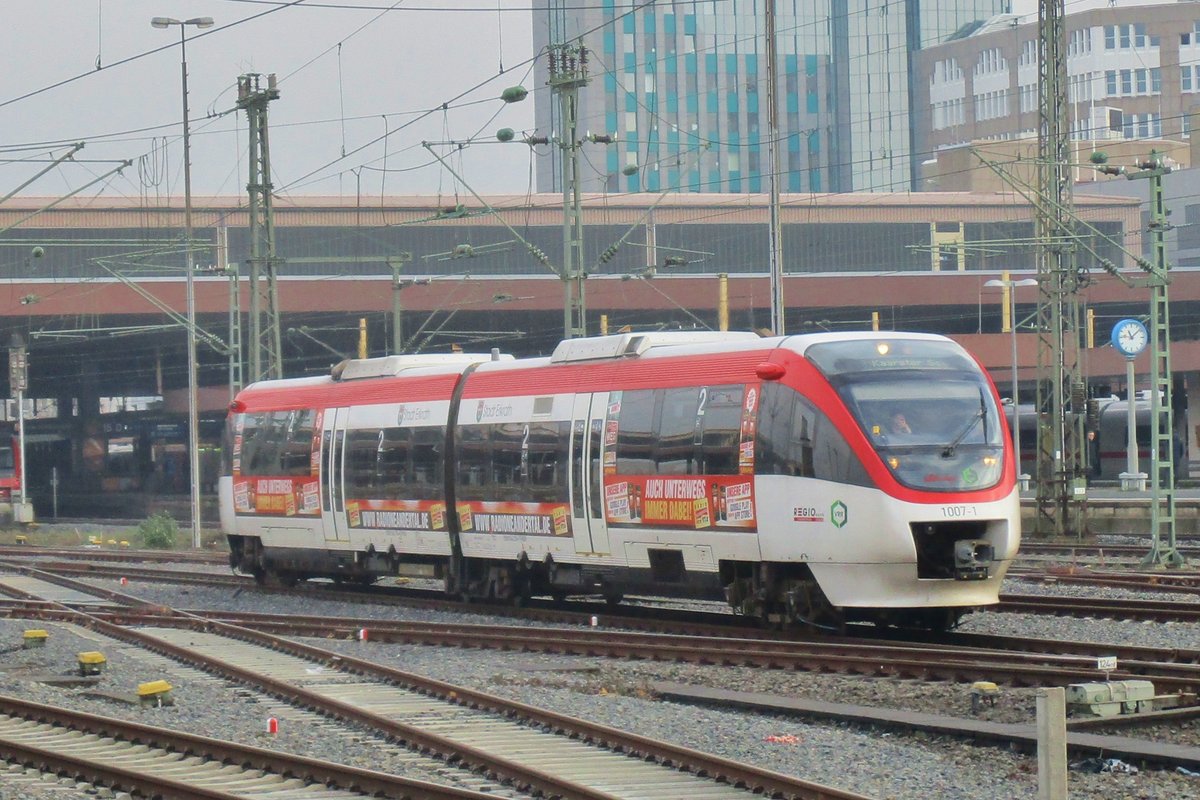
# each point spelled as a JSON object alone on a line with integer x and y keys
{"x": 590, "y": 360}
{"x": 671, "y": 344}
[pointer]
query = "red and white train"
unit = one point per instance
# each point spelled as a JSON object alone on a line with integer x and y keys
{"x": 14, "y": 505}
{"x": 761, "y": 470}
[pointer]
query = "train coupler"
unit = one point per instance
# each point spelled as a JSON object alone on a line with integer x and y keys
{"x": 973, "y": 559}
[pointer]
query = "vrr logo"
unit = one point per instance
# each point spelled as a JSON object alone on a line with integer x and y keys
{"x": 838, "y": 513}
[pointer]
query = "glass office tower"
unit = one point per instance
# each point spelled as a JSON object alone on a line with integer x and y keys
{"x": 683, "y": 87}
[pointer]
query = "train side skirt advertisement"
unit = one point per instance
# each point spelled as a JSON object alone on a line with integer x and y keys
{"x": 525, "y": 519}
{"x": 694, "y": 503}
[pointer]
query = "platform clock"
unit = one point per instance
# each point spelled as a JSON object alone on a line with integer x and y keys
{"x": 1130, "y": 337}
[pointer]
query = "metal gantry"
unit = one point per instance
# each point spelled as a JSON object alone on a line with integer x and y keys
{"x": 1163, "y": 551}
{"x": 568, "y": 73}
{"x": 266, "y": 346}
{"x": 775, "y": 259}
{"x": 1061, "y": 393}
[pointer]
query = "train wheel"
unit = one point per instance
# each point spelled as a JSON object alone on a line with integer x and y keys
{"x": 260, "y": 576}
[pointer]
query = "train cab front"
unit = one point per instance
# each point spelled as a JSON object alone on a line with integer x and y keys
{"x": 944, "y": 466}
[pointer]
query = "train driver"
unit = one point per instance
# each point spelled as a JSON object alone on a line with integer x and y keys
{"x": 898, "y": 425}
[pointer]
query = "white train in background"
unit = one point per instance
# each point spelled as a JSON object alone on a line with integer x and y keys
{"x": 764, "y": 471}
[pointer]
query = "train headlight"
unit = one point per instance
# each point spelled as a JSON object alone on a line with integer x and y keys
{"x": 883, "y": 348}
{"x": 893, "y": 462}
{"x": 990, "y": 461}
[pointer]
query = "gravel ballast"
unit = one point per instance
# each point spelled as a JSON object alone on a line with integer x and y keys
{"x": 876, "y": 763}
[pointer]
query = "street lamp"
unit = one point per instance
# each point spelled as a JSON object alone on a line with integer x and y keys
{"x": 1011, "y": 286}
{"x": 193, "y": 389}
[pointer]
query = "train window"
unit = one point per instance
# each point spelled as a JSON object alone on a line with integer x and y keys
{"x": 510, "y": 457}
{"x": 774, "y": 432}
{"x": 678, "y": 426}
{"x": 428, "y": 464}
{"x": 721, "y": 424}
{"x": 361, "y": 461}
{"x": 635, "y": 433}
{"x": 795, "y": 438}
{"x": 295, "y": 457}
{"x": 833, "y": 460}
{"x": 547, "y": 461}
{"x": 392, "y": 467}
{"x": 474, "y": 461}
{"x": 513, "y": 461}
{"x": 262, "y": 438}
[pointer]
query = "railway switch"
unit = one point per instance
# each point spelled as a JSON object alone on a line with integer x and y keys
{"x": 1111, "y": 698}
{"x": 155, "y": 693}
{"x": 91, "y": 663}
{"x": 34, "y": 638}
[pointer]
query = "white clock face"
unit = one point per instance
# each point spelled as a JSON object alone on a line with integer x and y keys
{"x": 1131, "y": 337}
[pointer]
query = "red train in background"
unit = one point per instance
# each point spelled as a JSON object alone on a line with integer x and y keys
{"x": 14, "y": 505}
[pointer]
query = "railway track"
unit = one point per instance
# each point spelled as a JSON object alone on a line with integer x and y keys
{"x": 947, "y": 657}
{"x": 1136, "y": 610}
{"x": 924, "y": 661}
{"x": 123, "y": 555}
{"x": 1190, "y": 549}
{"x": 1100, "y": 607}
{"x": 1009, "y": 661}
{"x": 535, "y": 750}
{"x": 155, "y": 762}
{"x": 1177, "y": 583}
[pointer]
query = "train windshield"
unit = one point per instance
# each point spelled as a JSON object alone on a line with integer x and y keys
{"x": 926, "y": 407}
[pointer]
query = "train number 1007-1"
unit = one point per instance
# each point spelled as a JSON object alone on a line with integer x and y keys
{"x": 959, "y": 512}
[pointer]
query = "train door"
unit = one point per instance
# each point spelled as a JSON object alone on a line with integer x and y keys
{"x": 333, "y": 497}
{"x": 587, "y": 474}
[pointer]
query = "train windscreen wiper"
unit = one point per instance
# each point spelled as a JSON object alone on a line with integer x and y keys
{"x": 948, "y": 451}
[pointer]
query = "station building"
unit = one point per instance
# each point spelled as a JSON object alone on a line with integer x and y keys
{"x": 96, "y": 289}
{"x": 1133, "y": 85}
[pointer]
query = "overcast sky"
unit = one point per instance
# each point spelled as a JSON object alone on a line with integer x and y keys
{"x": 362, "y": 84}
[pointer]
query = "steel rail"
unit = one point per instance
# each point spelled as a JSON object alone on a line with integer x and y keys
{"x": 1153, "y": 610}
{"x": 767, "y": 782}
{"x": 247, "y": 757}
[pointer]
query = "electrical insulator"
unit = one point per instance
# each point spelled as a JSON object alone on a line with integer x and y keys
{"x": 514, "y": 94}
